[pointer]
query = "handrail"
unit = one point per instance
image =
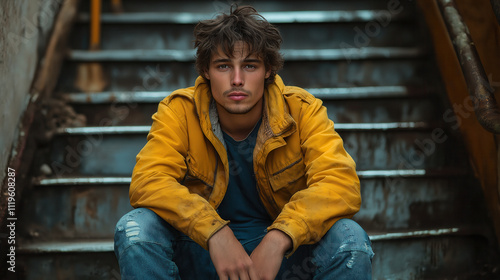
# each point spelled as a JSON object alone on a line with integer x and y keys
{"x": 495, "y": 4}
{"x": 480, "y": 90}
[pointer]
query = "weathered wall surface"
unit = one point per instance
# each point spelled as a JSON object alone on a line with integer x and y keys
{"x": 25, "y": 27}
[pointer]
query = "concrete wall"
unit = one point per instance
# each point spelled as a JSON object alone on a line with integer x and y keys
{"x": 25, "y": 27}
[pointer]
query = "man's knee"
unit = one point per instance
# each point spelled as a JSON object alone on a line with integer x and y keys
{"x": 345, "y": 236}
{"x": 142, "y": 225}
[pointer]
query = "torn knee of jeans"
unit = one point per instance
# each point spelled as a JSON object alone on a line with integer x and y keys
{"x": 355, "y": 243}
{"x": 132, "y": 230}
{"x": 356, "y": 251}
{"x": 350, "y": 263}
{"x": 350, "y": 245}
{"x": 127, "y": 218}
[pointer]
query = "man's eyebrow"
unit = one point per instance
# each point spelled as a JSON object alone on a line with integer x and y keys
{"x": 221, "y": 60}
{"x": 252, "y": 60}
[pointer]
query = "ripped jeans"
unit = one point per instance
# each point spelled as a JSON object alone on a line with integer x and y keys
{"x": 149, "y": 248}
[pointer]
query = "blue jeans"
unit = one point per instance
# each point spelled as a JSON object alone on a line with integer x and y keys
{"x": 147, "y": 247}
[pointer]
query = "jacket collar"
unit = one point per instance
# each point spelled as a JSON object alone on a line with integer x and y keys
{"x": 276, "y": 112}
{"x": 279, "y": 119}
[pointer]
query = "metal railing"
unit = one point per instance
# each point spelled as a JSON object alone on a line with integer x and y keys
{"x": 495, "y": 4}
{"x": 480, "y": 90}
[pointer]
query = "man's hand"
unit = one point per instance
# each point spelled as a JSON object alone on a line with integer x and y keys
{"x": 230, "y": 259}
{"x": 268, "y": 255}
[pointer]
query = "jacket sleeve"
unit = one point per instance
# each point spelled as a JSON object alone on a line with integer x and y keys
{"x": 161, "y": 166}
{"x": 333, "y": 189}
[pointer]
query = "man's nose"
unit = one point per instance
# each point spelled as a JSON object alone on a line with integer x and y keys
{"x": 237, "y": 80}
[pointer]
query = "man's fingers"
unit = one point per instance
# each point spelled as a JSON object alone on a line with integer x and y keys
{"x": 244, "y": 276}
{"x": 234, "y": 276}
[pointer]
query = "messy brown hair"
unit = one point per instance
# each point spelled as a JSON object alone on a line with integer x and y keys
{"x": 243, "y": 24}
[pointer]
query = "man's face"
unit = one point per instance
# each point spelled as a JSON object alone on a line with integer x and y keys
{"x": 237, "y": 82}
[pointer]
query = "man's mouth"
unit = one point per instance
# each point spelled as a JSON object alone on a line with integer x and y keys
{"x": 237, "y": 95}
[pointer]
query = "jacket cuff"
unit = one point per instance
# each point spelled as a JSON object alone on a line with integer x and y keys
{"x": 296, "y": 230}
{"x": 210, "y": 225}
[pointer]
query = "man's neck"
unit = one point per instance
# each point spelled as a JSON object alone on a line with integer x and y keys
{"x": 239, "y": 126}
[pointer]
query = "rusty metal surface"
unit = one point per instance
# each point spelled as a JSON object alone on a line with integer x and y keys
{"x": 399, "y": 203}
{"x": 69, "y": 266}
{"x": 495, "y": 4}
{"x": 65, "y": 212}
{"x": 434, "y": 258}
{"x": 481, "y": 92}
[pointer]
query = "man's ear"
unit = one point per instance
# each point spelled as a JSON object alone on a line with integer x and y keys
{"x": 206, "y": 75}
{"x": 268, "y": 73}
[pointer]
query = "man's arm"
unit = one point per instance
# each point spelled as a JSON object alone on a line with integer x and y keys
{"x": 161, "y": 166}
{"x": 229, "y": 257}
{"x": 332, "y": 191}
{"x": 269, "y": 254}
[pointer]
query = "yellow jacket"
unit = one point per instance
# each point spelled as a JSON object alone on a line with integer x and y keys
{"x": 305, "y": 178}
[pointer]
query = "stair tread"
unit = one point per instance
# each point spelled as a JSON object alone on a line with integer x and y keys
{"x": 336, "y": 16}
{"x": 142, "y": 129}
{"x": 288, "y": 54}
{"x": 363, "y": 174}
{"x": 67, "y": 246}
{"x": 337, "y": 93}
{"x": 106, "y": 245}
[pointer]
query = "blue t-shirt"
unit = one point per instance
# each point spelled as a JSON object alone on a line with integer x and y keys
{"x": 241, "y": 204}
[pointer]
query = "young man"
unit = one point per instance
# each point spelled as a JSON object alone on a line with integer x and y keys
{"x": 242, "y": 177}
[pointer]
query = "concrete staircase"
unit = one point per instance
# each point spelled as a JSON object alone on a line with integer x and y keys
{"x": 372, "y": 64}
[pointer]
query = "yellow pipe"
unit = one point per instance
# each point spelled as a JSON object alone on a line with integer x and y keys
{"x": 95, "y": 24}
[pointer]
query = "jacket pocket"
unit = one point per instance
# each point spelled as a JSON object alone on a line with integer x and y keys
{"x": 195, "y": 181}
{"x": 290, "y": 178}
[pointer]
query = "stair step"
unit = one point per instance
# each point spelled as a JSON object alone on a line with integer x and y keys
{"x": 88, "y": 207}
{"x": 272, "y": 17}
{"x": 438, "y": 254}
{"x": 168, "y": 75}
{"x": 340, "y": 93}
{"x": 413, "y": 234}
{"x": 75, "y": 246}
{"x": 199, "y": 7}
{"x": 144, "y": 129}
{"x": 289, "y": 55}
{"x": 86, "y": 246}
{"x": 83, "y": 181}
{"x": 111, "y": 150}
{"x": 344, "y": 105}
{"x": 363, "y": 174}
{"x": 319, "y": 35}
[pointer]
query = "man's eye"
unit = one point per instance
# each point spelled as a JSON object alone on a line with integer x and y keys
{"x": 250, "y": 66}
{"x": 223, "y": 66}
